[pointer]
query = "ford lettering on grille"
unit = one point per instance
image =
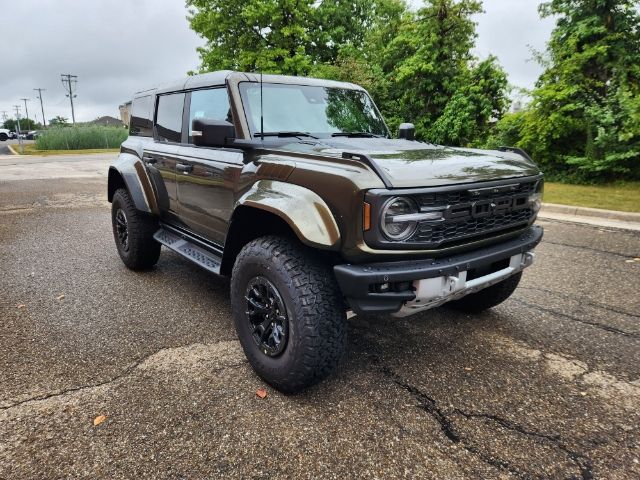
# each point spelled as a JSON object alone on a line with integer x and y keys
{"x": 469, "y": 213}
{"x": 484, "y": 208}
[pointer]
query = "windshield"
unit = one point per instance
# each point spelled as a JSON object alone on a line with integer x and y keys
{"x": 314, "y": 110}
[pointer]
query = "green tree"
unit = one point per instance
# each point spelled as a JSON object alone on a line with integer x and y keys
{"x": 59, "y": 121}
{"x": 278, "y": 36}
{"x": 583, "y": 121}
{"x": 428, "y": 58}
{"x": 25, "y": 124}
{"x": 361, "y": 61}
{"x": 272, "y": 35}
{"x": 479, "y": 101}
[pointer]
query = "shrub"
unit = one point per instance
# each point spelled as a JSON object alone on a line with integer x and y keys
{"x": 80, "y": 138}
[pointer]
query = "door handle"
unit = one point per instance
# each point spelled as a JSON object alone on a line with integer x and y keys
{"x": 184, "y": 167}
{"x": 149, "y": 160}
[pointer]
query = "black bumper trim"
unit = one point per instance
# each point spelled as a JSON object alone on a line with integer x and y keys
{"x": 354, "y": 280}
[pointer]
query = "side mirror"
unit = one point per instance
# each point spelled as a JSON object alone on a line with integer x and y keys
{"x": 407, "y": 131}
{"x": 207, "y": 132}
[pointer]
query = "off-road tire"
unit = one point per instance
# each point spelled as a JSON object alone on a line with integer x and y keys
{"x": 317, "y": 328}
{"x": 488, "y": 297}
{"x": 3, "y": 137}
{"x": 142, "y": 251}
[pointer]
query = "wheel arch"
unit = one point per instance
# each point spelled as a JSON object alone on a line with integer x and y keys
{"x": 272, "y": 207}
{"x": 247, "y": 224}
{"x": 128, "y": 172}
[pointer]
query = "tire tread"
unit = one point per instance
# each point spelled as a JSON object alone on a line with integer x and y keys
{"x": 317, "y": 305}
{"x": 144, "y": 250}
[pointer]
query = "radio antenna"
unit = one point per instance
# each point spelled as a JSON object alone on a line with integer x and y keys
{"x": 261, "y": 115}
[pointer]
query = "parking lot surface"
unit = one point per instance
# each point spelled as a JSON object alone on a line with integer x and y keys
{"x": 545, "y": 385}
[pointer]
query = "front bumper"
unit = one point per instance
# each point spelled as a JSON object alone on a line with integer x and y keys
{"x": 401, "y": 287}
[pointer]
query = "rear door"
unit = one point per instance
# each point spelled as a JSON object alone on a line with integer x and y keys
{"x": 206, "y": 179}
{"x": 161, "y": 156}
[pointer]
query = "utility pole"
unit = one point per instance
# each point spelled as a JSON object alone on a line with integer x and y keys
{"x": 26, "y": 109}
{"x": 67, "y": 81}
{"x": 5, "y": 117}
{"x": 40, "y": 90}
{"x": 17, "y": 109}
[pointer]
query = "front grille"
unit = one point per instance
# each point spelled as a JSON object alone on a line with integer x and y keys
{"x": 465, "y": 227}
{"x": 451, "y": 231}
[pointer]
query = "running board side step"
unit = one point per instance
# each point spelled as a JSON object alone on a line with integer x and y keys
{"x": 189, "y": 250}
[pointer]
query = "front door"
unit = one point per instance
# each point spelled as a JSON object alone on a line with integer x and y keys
{"x": 206, "y": 176}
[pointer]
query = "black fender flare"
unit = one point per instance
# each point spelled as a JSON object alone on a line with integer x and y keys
{"x": 128, "y": 169}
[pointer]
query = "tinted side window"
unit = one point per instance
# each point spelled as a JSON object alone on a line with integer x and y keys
{"x": 169, "y": 117}
{"x": 141, "y": 123}
{"x": 212, "y": 104}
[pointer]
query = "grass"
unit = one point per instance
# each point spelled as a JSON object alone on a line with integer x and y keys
{"x": 32, "y": 149}
{"x": 81, "y": 138}
{"x": 624, "y": 197}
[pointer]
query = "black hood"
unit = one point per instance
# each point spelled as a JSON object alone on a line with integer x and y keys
{"x": 415, "y": 164}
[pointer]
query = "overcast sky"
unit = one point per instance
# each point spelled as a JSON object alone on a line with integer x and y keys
{"x": 117, "y": 47}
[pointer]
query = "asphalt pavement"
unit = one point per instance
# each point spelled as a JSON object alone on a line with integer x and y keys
{"x": 545, "y": 385}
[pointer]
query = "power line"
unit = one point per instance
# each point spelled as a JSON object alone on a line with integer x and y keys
{"x": 68, "y": 81}
{"x": 40, "y": 90}
{"x": 25, "y": 100}
{"x": 17, "y": 109}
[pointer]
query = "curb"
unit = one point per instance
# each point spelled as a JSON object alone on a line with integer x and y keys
{"x": 590, "y": 212}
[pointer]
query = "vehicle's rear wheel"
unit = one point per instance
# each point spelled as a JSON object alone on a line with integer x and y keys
{"x": 288, "y": 313}
{"x": 4, "y": 137}
{"x": 133, "y": 232}
{"x": 488, "y": 297}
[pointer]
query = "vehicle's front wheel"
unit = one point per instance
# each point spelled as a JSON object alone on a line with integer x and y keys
{"x": 4, "y": 137}
{"x": 288, "y": 313}
{"x": 133, "y": 232}
{"x": 488, "y": 297}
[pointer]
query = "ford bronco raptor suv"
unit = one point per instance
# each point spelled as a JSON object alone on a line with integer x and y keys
{"x": 295, "y": 189}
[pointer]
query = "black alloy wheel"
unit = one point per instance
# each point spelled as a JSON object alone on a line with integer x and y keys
{"x": 122, "y": 229}
{"x": 267, "y": 316}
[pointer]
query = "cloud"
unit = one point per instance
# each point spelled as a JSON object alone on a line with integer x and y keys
{"x": 509, "y": 30}
{"x": 116, "y": 47}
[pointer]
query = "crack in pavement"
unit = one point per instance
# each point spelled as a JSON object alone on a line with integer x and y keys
{"x": 583, "y": 462}
{"x": 430, "y": 405}
{"x": 127, "y": 371}
{"x": 581, "y": 299}
{"x": 601, "y": 326}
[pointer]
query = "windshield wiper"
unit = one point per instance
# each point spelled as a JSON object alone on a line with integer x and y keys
{"x": 284, "y": 134}
{"x": 356, "y": 134}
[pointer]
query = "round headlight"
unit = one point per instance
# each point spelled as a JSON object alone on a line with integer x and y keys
{"x": 535, "y": 202}
{"x": 535, "y": 199}
{"x": 394, "y": 226}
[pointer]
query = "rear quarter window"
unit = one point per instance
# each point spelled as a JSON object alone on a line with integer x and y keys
{"x": 141, "y": 123}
